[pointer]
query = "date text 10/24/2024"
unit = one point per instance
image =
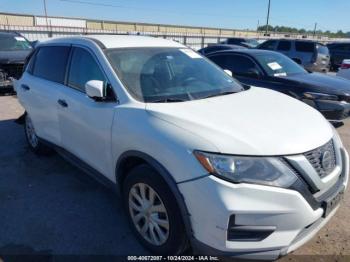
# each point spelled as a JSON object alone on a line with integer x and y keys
{"x": 172, "y": 258}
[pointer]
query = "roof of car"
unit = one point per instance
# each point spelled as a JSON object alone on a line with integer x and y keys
{"x": 118, "y": 41}
{"x": 246, "y": 51}
{"x": 9, "y": 34}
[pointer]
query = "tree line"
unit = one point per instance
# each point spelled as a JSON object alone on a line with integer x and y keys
{"x": 286, "y": 29}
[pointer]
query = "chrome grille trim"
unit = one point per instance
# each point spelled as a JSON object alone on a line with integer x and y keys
{"x": 315, "y": 159}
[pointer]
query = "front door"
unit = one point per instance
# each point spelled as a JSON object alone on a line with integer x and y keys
{"x": 85, "y": 124}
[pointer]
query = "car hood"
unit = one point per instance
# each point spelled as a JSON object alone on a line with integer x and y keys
{"x": 254, "y": 122}
{"x": 323, "y": 83}
{"x": 9, "y": 57}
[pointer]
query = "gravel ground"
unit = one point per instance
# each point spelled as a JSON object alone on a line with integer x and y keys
{"x": 49, "y": 207}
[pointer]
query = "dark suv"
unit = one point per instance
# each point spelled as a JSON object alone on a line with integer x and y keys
{"x": 339, "y": 52}
{"x": 313, "y": 56}
{"x": 14, "y": 50}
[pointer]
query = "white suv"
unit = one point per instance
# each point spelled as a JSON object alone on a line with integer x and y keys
{"x": 199, "y": 160}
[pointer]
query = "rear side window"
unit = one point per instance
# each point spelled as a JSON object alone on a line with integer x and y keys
{"x": 83, "y": 68}
{"x": 322, "y": 49}
{"x": 233, "y": 41}
{"x": 284, "y": 46}
{"x": 51, "y": 62}
{"x": 307, "y": 47}
{"x": 268, "y": 45}
{"x": 341, "y": 47}
{"x": 220, "y": 60}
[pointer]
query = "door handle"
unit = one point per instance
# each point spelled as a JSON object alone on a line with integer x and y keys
{"x": 62, "y": 103}
{"x": 25, "y": 87}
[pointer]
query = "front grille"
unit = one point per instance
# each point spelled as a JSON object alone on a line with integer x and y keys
{"x": 322, "y": 159}
{"x": 13, "y": 70}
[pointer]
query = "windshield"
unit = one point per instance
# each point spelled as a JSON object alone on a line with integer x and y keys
{"x": 13, "y": 43}
{"x": 252, "y": 42}
{"x": 169, "y": 74}
{"x": 276, "y": 64}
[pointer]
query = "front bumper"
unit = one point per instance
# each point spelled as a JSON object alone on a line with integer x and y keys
{"x": 212, "y": 202}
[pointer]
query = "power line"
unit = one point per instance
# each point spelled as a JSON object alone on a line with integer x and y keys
{"x": 83, "y": 2}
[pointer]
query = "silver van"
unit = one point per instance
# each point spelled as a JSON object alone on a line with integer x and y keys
{"x": 313, "y": 56}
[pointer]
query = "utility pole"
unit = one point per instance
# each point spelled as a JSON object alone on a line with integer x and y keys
{"x": 45, "y": 10}
{"x": 315, "y": 29}
{"x": 268, "y": 17}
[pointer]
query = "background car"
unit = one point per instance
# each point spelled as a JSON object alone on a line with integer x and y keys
{"x": 215, "y": 48}
{"x": 344, "y": 70}
{"x": 339, "y": 52}
{"x": 14, "y": 49}
{"x": 245, "y": 42}
{"x": 313, "y": 56}
{"x": 268, "y": 69}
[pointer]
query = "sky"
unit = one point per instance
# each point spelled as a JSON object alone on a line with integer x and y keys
{"x": 237, "y": 14}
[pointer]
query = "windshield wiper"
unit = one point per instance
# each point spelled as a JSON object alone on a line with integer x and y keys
{"x": 168, "y": 100}
{"x": 221, "y": 94}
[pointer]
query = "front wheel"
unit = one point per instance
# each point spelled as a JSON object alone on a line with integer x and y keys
{"x": 33, "y": 140}
{"x": 153, "y": 212}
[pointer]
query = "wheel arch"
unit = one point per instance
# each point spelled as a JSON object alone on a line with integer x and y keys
{"x": 132, "y": 158}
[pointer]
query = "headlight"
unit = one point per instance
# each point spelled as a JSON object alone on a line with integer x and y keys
{"x": 320, "y": 96}
{"x": 269, "y": 171}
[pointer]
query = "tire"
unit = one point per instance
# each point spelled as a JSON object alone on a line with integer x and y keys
{"x": 33, "y": 140}
{"x": 164, "y": 206}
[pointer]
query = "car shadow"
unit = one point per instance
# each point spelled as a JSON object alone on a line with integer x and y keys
{"x": 48, "y": 204}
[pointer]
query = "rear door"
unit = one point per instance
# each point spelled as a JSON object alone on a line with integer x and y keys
{"x": 39, "y": 90}
{"x": 85, "y": 124}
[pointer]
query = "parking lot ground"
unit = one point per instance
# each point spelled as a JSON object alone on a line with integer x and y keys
{"x": 47, "y": 206}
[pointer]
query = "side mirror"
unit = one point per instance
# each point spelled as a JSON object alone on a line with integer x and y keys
{"x": 228, "y": 72}
{"x": 95, "y": 89}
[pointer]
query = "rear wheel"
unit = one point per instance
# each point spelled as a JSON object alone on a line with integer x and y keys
{"x": 153, "y": 212}
{"x": 33, "y": 141}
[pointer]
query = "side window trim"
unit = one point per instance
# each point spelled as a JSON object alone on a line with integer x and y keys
{"x": 35, "y": 53}
{"x": 74, "y": 47}
{"x": 30, "y": 63}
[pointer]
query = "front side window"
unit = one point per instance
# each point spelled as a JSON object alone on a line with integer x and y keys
{"x": 284, "y": 46}
{"x": 164, "y": 74}
{"x": 278, "y": 65}
{"x": 83, "y": 68}
{"x": 268, "y": 45}
{"x": 13, "y": 43}
{"x": 50, "y": 63}
{"x": 240, "y": 65}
